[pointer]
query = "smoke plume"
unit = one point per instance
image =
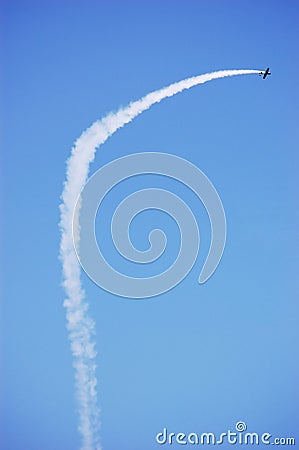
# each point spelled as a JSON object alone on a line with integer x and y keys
{"x": 79, "y": 325}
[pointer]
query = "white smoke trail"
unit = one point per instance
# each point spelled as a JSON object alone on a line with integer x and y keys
{"x": 80, "y": 326}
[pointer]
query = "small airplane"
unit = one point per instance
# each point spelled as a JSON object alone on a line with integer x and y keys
{"x": 267, "y": 72}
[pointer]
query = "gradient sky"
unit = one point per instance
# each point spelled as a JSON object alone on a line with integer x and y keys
{"x": 198, "y": 358}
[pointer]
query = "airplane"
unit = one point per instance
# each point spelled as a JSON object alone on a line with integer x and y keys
{"x": 267, "y": 72}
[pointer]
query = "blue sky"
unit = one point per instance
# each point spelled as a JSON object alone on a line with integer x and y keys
{"x": 198, "y": 358}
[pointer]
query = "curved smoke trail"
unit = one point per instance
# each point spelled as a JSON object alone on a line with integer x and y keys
{"x": 80, "y": 326}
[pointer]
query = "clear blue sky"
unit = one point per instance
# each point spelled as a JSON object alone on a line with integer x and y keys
{"x": 198, "y": 358}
